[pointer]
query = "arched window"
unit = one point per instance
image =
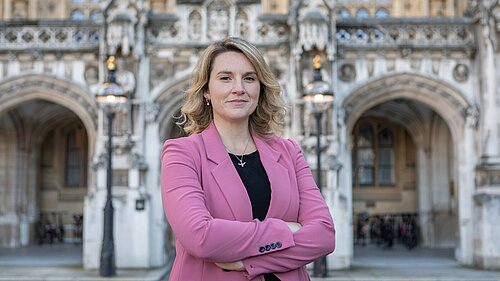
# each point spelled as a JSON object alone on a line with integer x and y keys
{"x": 365, "y": 156}
{"x": 344, "y": 13}
{"x": 381, "y": 13}
{"x": 96, "y": 15}
{"x": 362, "y": 13}
{"x": 75, "y": 164}
{"x": 373, "y": 155}
{"x": 77, "y": 15}
{"x": 385, "y": 157}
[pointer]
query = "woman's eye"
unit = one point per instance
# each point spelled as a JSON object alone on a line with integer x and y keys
{"x": 224, "y": 78}
{"x": 250, "y": 78}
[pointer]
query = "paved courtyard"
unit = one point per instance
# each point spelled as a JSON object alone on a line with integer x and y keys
{"x": 399, "y": 264}
{"x": 63, "y": 262}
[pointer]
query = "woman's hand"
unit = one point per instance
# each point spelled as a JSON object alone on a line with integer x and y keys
{"x": 294, "y": 226}
{"x": 231, "y": 266}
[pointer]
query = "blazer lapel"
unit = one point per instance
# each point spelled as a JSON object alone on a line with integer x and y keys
{"x": 226, "y": 176}
{"x": 278, "y": 175}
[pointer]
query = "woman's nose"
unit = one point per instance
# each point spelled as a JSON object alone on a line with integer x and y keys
{"x": 238, "y": 87}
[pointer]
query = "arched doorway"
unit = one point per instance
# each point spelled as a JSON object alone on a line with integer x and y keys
{"x": 418, "y": 161}
{"x": 397, "y": 199}
{"x": 46, "y": 142}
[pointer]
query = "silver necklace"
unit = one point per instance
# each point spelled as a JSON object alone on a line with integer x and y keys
{"x": 242, "y": 164}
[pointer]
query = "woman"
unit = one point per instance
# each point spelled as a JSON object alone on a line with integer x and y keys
{"x": 241, "y": 201}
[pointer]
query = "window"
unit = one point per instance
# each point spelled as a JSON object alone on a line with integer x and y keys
{"x": 381, "y": 13}
{"x": 373, "y": 155}
{"x": 76, "y": 150}
{"x": 77, "y": 15}
{"x": 344, "y": 13}
{"x": 362, "y": 13}
{"x": 365, "y": 155}
{"x": 96, "y": 15}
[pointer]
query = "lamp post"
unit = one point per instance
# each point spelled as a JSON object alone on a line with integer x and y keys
{"x": 319, "y": 96}
{"x": 109, "y": 98}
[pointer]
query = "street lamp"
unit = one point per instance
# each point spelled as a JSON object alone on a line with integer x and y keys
{"x": 110, "y": 98}
{"x": 319, "y": 96}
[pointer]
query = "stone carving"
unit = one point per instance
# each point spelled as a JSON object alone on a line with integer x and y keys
{"x": 163, "y": 33}
{"x": 461, "y": 72}
{"x": 63, "y": 88}
{"x": 496, "y": 15}
{"x": 194, "y": 26}
{"x": 123, "y": 144}
{"x": 491, "y": 21}
{"x": 422, "y": 84}
{"x": 272, "y": 32}
{"x": 120, "y": 32}
{"x": 151, "y": 112}
{"x": 92, "y": 74}
{"x": 487, "y": 176}
{"x": 406, "y": 52}
{"x": 138, "y": 161}
{"x": 385, "y": 35}
{"x": 471, "y": 116}
{"x": 101, "y": 161}
{"x": 347, "y": 72}
{"x": 314, "y": 35}
{"x": 313, "y": 30}
{"x": 242, "y": 24}
{"x": 20, "y": 9}
{"x": 370, "y": 65}
{"x": 333, "y": 162}
{"x": 50, "y": 37}
{"x": 125, "y": 27}
{"x": 309, "y": 143}
{"x": 436, "y": 62}
{"x": 218, "y": 20}
{"x": 47, "y": 7}
{"x": 126, "y": 79}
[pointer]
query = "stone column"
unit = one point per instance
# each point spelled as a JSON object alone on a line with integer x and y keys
{"x": 486, "y": 250}
{"x": 466, "y": 161}
{"x": 490, "y": 152}
{"x": 339, "y": 198}
{"x": 152, "y": 156}
{"x": 424, "y": 194}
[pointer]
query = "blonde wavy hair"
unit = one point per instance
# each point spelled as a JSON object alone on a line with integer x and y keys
{"x": 267, "y": 118}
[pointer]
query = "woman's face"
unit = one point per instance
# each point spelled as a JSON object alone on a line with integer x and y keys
{"x": 233, "y": 88}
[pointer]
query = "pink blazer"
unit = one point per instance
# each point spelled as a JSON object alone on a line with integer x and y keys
{"x": 210, "y": 213}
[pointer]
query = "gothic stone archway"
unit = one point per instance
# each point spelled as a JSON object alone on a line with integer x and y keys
{"x": 32, "y": 109}
{"x": 459, "y": 115}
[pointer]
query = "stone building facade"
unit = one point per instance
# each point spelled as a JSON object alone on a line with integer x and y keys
{"x": 414, "y": 127}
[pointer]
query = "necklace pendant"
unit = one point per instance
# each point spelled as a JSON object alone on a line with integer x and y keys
{"x": 242, "y": 164}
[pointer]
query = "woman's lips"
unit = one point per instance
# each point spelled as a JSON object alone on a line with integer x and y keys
{"x": 237, "y": 101}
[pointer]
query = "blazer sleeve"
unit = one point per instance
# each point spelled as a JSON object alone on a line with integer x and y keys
{"x": 208, "y": 238}
{"x": 315, "y": 239}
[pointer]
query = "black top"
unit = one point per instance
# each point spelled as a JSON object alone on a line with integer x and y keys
{"x": 254, "y": 178}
